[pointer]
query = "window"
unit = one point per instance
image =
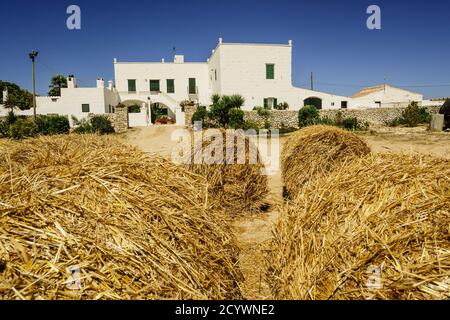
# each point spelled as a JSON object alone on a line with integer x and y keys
{"x": 215, "y": 74}
{"x": 85, "y": 107}
{"x": 170, "y": 86}
{"x": 131, "y": 85}
{"x": 344, "y": 104}
{"x": 154, "y": 85}
{"x": 270, "y": 103}
{"x": 332, "y": 104}
{"x": 192, "y": 86}
{"x": 270, "y": 71}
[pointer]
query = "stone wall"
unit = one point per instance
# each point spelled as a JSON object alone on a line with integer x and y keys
{"x": 188, "y": 112}
{"x": 119, "y": 119}
{"x": 377, "y": 116}
{"x": 276, "y": 118}
{"x": 289, "y": 118}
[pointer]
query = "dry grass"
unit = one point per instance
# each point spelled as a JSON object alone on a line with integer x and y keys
{"x": 315, "y": 151}
{"x": 390, "y": 212}
{"x": 239, "y": 188}
{"x": 137, "y": 227}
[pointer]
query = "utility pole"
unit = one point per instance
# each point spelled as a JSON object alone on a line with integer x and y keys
{"x": 33, "y": 56}
{"x": 312, "y": 81}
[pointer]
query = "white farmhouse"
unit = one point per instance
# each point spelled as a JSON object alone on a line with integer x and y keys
{"x": 261, "y": 73}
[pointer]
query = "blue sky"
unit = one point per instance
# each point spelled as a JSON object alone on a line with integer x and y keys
{"x": 330, "y": 38}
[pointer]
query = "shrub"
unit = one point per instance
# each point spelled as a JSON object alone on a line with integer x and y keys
{"x": 22, "y": 128}
{"x": 219, "y": 111}
{"x": 327, "y": 121}
{"x": 54, "y": 124}
{"x": 282, "y": 106}
{"x": 200, "y": 114}
{"x": 10, "y": 118}
{"x": 135, "y": 108}
{"x": 236, "y": 118}
{"x": 4, "y": 129}
{"x": 414, "y": 115}
{"x": 308, "y": 115}
{"x": 262, "y": 112}
{"x": 394, "y": 122}
{"x": 249, "y": 124}
{"x": 445, "y": 110}
{"x": 101, "y": 124}
{"x": 353, "y": 124}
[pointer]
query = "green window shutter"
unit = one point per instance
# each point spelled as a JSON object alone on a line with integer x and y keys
{"x": 85, "y": 107}
{"x": 275, "y": 102}
{"x": 131, "y": 85}
{"x": 270, "y": 71}
{"x": 154, "y": 85}
{"x": 170, "y": 86}
{"x": 266, "y": 103}
{"x": 192, "y": 86}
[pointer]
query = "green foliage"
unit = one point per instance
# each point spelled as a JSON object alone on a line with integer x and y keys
{"x": 23, "y": 128}
{"x": 57, "y": 82}
{"x": 200, "y": 114}
{"x": 101, "y": 124}
{"x": 394, "y": 122}
{"x": 17, "y": 96}
{"x": 10, "y": 118}
{"x": 82, "y": 126}
{"x": 352, "y": 124}
{"x": 282, "y": 106}
{"x": 414, "y": 115}
{"x": 135, "y": 108}
{"x": 4, "y": 129}
{"x": 52, "y": 124}
{"x": 445, "y": 110}
{"x": 262, "y": 112}
{"x": 220, "y": 109}
{"x": 249, "y": 124}
{"x": 327, "y": 121}
{"x": 308, "y": 115}
{"x": 236, "y": 120}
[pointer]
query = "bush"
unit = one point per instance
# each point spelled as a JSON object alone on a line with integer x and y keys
{"x": 262, "y": 112}
{"x": 4, "y": 129}
{"x": 249, "y": 124}
{"x": 236, "y": 118}
{"x": 327, "y": 121}
{"x": 394, "y": 122}
{"x": 282, "y": 106}
{"x": 22, "y": 128}
{"x": 445, "y": 110}
{"x": 10, "y": 118}
{"x": 308, "y": 115}
{"x": 200, "y": 114}
{"x": 101, "y": 124}
{"x": 221, "y": 106}
{"x": 414, "y": 115}
{"x": 53, "y": 124}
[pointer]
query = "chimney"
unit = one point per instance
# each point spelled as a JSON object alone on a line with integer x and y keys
{"x": 162, "y": 60}
{"x": 71, "y": 82}
{"x": 220, "y": 40}
{"x": 290, "y": 42}
{"x": 110, "y": 84}
{"x": 178, "y": 58}
{"x": 100, "y": 83}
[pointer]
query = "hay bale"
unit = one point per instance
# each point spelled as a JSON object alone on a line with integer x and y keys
{"x": 239, "y": 187}
{"x": 382, "y": 213}
{"x": 317, "y": 150}
{"x": 136, "y": 227}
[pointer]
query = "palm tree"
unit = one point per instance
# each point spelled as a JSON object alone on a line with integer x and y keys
{"x": 57, "y": 82}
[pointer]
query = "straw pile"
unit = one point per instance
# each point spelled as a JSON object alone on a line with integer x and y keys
{"x": 239, "y": 188}
{"x": 317, "y": 150}
{"x": 133, "y": 227}
{"x": 375, "y": 229}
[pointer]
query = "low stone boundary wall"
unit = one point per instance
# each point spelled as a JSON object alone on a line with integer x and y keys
{"x": 289, "y": 118}
{"x": 119, "y": 119}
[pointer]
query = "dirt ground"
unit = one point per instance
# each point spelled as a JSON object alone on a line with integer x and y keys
{"x": 253, "y": 231}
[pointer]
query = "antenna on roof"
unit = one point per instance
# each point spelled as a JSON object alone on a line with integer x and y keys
{"x": 174, "y": 49}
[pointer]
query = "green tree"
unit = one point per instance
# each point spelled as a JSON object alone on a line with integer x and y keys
{"x": 221, "y": 106}
{"x": 17, "y": 97}
{"x": 57, "y": 82}
{"x": 308, "y": 115}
